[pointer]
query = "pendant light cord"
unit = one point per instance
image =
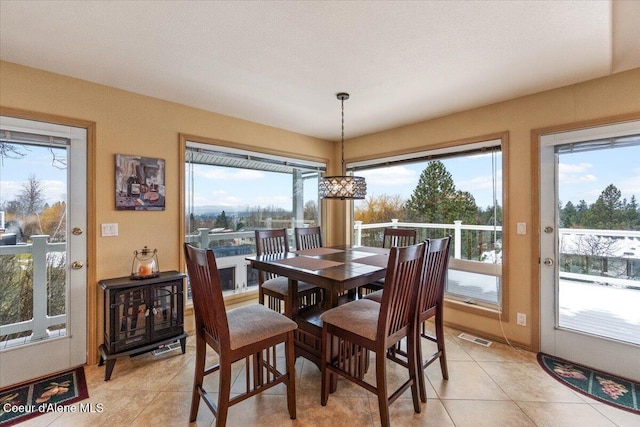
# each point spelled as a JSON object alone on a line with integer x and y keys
{"x": 344, "y": 172}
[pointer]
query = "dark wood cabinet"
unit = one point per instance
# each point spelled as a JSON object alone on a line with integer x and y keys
{"x": 141, "y": 315}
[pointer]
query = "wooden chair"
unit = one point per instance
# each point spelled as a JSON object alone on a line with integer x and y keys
{"x": 391, "y": 237}
{"x": 250, "y": 332}
{"x": 273, "y": 288}
{"x": 351, "y": 330}
{"x": 308, "y": 238}
{"x": 399, "y": 237}
{"x": 431, "y": 304}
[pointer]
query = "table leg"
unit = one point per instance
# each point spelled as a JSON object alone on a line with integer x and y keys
{"x": 291, "y": 308}
{"x": 331, "y": 300}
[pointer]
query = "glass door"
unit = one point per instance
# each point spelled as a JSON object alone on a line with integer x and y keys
{"x": 43, "y": 279}
{"x": 590, "y": 247}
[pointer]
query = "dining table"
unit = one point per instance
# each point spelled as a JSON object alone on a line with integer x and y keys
{"x": 338, "y": 270}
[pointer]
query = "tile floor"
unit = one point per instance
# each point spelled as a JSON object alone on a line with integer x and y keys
{"x": 495, "y": 386}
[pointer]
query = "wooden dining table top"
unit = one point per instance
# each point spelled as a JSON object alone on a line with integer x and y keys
{"x": 335, "y": 268}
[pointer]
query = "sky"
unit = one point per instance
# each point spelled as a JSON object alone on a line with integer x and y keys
{"x": 39, "y": 162}
{"x": 583, "y": 176}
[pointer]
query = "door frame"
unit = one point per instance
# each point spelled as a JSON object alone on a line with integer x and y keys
{"x": 535, "y": 206}
{"x": 91, "y": 232}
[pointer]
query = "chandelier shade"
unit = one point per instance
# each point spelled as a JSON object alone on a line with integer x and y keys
{"x": 342, "y": 187}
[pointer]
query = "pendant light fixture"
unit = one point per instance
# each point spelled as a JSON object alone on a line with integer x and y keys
{"x": 342, "y": 187}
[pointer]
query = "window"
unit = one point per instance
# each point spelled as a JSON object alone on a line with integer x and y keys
{"x": 230, "y": 192}
{"x": 455, "y": 190}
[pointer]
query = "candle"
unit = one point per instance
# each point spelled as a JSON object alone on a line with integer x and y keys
{"x": 145, "y": 270}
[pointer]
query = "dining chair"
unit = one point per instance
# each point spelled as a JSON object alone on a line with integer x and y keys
{"x": 430, "y": 304}
{"x": 308, "y": 237}
{"x": 250, "y": 332}
{"x": 351, "y": 330}
{"x": 391, "y": 236}
{"x": 274, "y": 289}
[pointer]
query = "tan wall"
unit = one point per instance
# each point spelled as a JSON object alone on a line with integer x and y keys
{"x": 590, "y": 101}
{"x": 127, "y": 123}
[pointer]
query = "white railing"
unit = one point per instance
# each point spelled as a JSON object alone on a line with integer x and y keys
{"x": 39, "y": 248}
{"x": 40, "y": 323}
{"x": 619, "y": 244}
{"x": 205, "y": 236}
{"x": 457, "y": 228}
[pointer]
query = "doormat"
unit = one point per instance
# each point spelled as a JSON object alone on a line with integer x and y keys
{"x": 55, "y": 393}
{"x": 615, "y": 391}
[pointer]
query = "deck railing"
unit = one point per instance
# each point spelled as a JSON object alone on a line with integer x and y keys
{"x": 39, "y": 325}
{"x": 39, "y": 248}
{"x": 455, "y": 230}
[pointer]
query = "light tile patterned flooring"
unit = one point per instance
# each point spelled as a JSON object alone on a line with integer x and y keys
{"x": 495, "y": 386}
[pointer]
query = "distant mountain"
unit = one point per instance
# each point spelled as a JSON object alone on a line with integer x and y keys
{"x": 215, "y": 209}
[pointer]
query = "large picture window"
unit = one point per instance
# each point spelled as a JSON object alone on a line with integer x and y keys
{"x": 230, "y": 192}
{"x": 455, "y": 190}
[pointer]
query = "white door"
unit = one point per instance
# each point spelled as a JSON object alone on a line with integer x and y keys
{"x": 590, "y": 247}
{"x": 43, "y": 180}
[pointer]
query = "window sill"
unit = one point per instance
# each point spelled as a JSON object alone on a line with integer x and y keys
{"x": 239, "y": 298}
{"x": 490, "y": 312}
{"x": 231, "y": 299}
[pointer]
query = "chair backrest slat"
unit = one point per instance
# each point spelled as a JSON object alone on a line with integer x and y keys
{"x": 270, "y": 242}
{"x": 399, "y": 297}
{"x": 399, "y": 237}
{"x": 206, "y": 291}
{"x": 308, "y": 238}
{"x": 434, "y": 274}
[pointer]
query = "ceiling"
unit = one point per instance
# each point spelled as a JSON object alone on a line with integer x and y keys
{"x": 281, "y": 63}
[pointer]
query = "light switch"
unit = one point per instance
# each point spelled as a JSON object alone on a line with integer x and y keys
{"x": 521, "y": 228}
{"x": 110, "y": 230}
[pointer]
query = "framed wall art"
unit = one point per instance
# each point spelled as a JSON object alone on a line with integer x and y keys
{"x": 140, "y": 183}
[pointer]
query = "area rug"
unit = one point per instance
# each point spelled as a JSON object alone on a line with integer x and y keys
{"x": 609, "y": 389}
{"x": 56, "y": 393}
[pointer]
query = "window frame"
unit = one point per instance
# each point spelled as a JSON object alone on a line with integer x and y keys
{"x": 291, "y": 159}
{"x": 446, "y": 149}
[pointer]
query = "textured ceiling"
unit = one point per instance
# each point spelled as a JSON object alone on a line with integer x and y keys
{"x": 281, "y": 63}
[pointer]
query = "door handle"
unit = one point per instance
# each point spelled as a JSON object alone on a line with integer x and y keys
{"x": 76, "y": 231}
{"x": 77, "y": 265}
{"x": 548, "y": 261}
{"x": 548, "y": 229}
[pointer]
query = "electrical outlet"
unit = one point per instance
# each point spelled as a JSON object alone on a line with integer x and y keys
{"x": 521, "y": 228}
{"x": 521, "y": 319}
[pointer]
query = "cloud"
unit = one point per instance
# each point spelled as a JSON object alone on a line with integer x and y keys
{"x": 391, "y": 176}
{"x": 576, "y": 173}
{"x": 483, "y": 182}
{"x": 631, "y": 186}
{"x": 575, "y": 168}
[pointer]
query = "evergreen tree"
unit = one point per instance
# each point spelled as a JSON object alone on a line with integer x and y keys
{"x": 581, "y": 211}
{"x": 606, "y": 212}
{"x": 568, "y": 215}
{"x": 222, "y": 221}
{"x": 434, "y": 198}
{"x": 632, "y": 214}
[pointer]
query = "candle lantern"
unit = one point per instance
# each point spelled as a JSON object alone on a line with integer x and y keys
{"x": 145, "y": 264}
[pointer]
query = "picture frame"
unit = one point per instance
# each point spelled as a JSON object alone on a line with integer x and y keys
{"x": 139, "y": 183}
